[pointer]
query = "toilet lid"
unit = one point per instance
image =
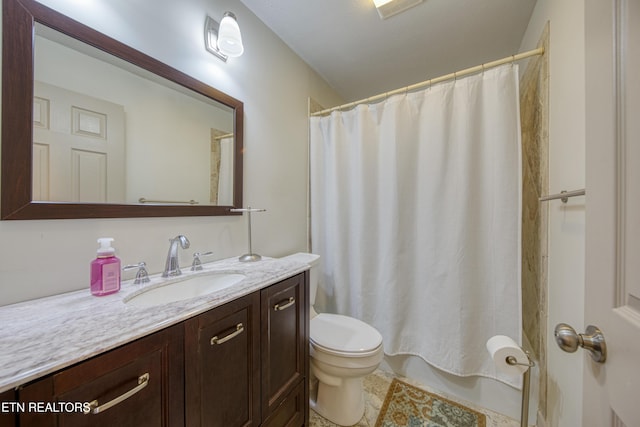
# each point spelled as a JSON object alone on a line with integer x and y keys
{"x": 343, "y": 334}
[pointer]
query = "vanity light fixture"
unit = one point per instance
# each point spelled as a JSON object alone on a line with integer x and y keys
{"x": 223, "y": 39}
{"x": 388, "y": 8}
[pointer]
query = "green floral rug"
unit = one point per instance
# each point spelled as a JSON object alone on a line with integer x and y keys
{"x": 408, "y": 406}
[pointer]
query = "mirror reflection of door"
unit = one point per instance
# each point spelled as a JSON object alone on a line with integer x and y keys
{"x": 78, "y": 149}
{"x": 221, "y": 185}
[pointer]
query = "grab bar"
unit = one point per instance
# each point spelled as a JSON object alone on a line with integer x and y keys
{"x": 563, "y": 195}
{"x": 190, "y": 202}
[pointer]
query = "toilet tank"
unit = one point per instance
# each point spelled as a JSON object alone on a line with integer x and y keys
{"x": 313, "y": 261}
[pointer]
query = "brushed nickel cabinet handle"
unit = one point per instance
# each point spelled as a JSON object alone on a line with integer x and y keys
{"x": 284, "y": 304}
{"x": 239, "y": 329}
{"x": 96, "y": 408}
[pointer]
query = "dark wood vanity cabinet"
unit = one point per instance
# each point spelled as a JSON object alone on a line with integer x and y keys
{"x": 241, "y": 364}
{"x": 138, "y": 384}
{"x": 222, "y": 373}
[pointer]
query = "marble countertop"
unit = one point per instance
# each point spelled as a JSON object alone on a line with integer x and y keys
{"x": 41, "y": 336}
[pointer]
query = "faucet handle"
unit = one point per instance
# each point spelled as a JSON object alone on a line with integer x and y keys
{"x": 196, "y": 265}
{"x": 142, "y": 276}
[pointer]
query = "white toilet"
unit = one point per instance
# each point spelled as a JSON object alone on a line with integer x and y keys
{"x": 343, "y": 350}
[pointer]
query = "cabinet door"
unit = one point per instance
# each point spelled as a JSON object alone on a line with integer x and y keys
{"x": 138, "y": 384}
{"x": 284, "y": 340}
{"x": 222, "y": 365}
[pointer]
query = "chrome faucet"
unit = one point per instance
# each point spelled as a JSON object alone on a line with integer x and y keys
{"x": 171, "y": 267}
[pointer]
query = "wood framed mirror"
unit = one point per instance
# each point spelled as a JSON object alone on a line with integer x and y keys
{"x": 39, "y": 181}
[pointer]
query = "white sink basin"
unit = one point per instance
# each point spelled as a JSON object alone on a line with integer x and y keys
{"x": 185, "y": 289}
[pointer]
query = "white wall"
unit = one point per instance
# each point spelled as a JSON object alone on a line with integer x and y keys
{"x": 566, "y": 172}
{"x": 39, "y": 258}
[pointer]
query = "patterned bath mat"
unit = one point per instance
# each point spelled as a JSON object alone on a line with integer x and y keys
{"x": 408, "y": 406}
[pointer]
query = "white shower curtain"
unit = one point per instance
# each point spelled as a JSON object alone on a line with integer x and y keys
{"x": 415, "y": 211}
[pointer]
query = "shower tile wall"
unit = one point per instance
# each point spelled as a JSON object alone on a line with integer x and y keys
{"x": 534, "y": 85}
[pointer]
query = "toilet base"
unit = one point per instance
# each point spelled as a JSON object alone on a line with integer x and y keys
{"x": 343, "y": 404}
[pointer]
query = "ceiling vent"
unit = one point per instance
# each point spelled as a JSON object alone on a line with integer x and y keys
{"x": 388, "y": 8}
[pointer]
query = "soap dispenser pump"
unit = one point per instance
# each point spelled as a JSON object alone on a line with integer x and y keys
{"x": 105, "y": 269}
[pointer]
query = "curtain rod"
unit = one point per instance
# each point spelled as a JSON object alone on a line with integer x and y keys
{"x": 466, "y": 71}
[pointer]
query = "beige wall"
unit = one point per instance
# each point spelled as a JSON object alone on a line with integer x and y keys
{"x": 566, "y": 222}
{"x": 39, "y": 258}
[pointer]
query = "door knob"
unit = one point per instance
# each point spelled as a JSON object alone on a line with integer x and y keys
{"x": 592, "y": 340}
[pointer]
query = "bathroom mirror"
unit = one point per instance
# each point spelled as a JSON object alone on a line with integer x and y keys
{"x": 92, "y": 128}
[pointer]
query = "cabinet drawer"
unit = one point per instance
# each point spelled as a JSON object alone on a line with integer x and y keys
{"x": 291, "y": 411}
{"x": 138, "y": 384}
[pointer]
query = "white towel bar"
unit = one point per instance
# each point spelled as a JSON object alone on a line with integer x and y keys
{"x": 167, "y": 202}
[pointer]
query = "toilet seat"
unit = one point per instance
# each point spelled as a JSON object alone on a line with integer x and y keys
{"x": 344, "y": 336}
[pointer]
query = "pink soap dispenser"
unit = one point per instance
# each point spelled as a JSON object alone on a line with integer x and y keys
{"x": 105, "y": 269}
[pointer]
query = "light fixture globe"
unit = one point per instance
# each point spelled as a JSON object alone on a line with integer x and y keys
{"x": 229, "y": 38}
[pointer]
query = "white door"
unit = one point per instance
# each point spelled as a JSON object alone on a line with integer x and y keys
{"x": 612, "y": 296}
{"x": 78, "y": 147}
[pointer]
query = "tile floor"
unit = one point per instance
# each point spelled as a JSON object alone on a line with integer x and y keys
{"x": 376, "y": 386}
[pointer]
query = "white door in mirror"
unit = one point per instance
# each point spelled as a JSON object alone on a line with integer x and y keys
{"x": 78, "y": 147}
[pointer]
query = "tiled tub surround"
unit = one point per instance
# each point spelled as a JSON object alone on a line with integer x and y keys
{"x": 534, "y": 112}
{"x": 41, "y": 336}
